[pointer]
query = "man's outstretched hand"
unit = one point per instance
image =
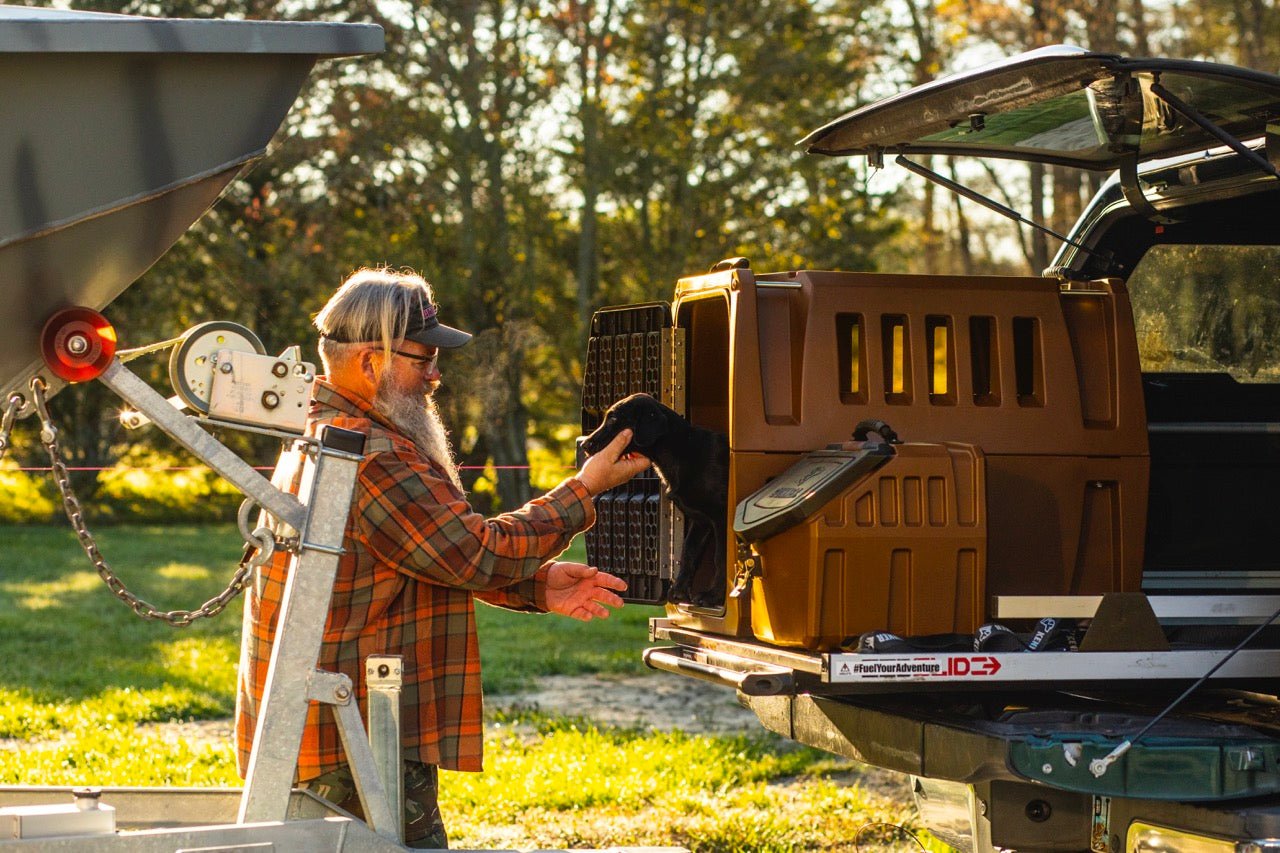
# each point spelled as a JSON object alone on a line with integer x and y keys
{"x": 582, "y": 592}
{"x": 611, "y": 467}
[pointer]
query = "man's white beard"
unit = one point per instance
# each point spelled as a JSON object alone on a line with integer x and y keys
{"x": 417, "y": 416}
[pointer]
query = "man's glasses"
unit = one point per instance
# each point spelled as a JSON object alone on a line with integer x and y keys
{"x": 425, "y": 361}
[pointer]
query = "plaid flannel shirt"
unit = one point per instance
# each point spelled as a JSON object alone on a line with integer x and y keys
{"x": 416, "y": 555}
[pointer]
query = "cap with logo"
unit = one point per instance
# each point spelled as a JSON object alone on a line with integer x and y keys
{"x": 423, "y": 327}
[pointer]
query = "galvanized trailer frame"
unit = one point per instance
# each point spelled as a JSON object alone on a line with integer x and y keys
{"x": 167, "y": 113}
{"x": 317, "y": 518}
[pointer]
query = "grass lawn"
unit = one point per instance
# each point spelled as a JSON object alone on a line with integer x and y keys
{"x": 79, "y": 673}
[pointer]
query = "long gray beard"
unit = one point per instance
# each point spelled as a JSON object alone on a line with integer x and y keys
{"x": 418, "y": 418}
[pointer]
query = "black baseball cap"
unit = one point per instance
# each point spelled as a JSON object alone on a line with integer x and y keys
{"x": 425, "y": 328}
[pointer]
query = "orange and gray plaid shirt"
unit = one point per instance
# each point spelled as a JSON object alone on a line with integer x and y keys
{"x": 416, "y": 555}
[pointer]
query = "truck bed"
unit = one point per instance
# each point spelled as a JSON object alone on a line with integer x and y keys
{"x": 1021, "y": 717}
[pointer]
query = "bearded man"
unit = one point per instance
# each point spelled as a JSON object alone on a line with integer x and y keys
{"x": 416, "y": 554}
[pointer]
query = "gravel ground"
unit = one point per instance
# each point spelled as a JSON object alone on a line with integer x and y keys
{"x": 652, "y": 701}
{"x": 646, "y": 701}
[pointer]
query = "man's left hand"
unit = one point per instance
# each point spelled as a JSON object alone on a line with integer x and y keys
{"x": 581, "y": 592}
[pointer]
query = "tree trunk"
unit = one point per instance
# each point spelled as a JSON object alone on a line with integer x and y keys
{"x": 588, "y": 267}
{"x": 964, "y": 243}
{"x": 511, "y": 428}
{"x": 510, "y": 452}
{"x": 591, "y": 47}
{"x": 1141, "y": 38}
{"x": 1039, "y": 244}
{"x": 929, "y": 237}
{"x": 1066, "y": 198}
{"x": 1104, "y": 35}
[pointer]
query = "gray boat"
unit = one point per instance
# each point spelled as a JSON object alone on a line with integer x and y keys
{"x": 119, "y": 133}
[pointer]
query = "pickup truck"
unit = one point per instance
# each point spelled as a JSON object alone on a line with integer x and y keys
{"x": 1008, "y": 535}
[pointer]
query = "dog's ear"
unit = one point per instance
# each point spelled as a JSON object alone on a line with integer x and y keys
{"x": 650, "y": 426}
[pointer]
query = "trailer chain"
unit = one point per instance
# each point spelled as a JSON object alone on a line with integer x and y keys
{"x": 75, "y": 514}
{"x": 6, "y": 422}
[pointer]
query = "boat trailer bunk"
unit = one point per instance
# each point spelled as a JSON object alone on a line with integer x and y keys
{"x": 1049, "y": 750}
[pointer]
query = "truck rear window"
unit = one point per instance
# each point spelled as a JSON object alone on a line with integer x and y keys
{"x": 1209, "y": 309}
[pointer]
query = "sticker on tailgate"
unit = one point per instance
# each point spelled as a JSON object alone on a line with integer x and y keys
{"x": 869, "y": 668}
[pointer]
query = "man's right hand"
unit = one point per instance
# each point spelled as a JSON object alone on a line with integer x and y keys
{"x": 610, "y": 467}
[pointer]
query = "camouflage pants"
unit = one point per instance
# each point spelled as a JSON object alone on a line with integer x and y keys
{"x": 423, "y": 826}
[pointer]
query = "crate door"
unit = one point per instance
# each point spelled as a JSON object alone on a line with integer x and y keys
{"x": 634, "y": 349}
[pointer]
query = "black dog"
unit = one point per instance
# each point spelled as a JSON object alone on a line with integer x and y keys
{"x": 694, "y": 466}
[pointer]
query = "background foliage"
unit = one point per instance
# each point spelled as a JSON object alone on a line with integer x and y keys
{"x": 537, "y": 159}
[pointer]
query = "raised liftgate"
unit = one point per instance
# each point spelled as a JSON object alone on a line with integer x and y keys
{"x": 119, "y": 133}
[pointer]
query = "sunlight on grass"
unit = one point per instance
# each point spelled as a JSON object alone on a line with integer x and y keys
{"x": 42, "y": 596}
{"x": 209, "y": 661}
{"x": 25, "y": 716}
{"x": 582, "y": 767}
{"x": 84, "y": 685}
{"x": 578, "y": 785}
{"x": 108, "y": 754}
{"x": 183, "y": 572}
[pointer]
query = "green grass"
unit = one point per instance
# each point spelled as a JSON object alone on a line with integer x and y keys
{"x": 81, "y": 679}
{"x": 580, "y": 785}
{"x": 70, "y": 652}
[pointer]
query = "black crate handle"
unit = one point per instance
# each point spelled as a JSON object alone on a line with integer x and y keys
{"x": 879, "y": 427}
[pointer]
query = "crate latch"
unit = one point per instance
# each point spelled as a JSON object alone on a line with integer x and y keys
{"x": 749, "y": 565}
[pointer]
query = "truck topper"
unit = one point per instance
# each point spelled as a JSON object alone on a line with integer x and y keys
{"x": 1049, "y": 601}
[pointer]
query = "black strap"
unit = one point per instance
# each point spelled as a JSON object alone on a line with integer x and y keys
{"x": 1133, "y": 191}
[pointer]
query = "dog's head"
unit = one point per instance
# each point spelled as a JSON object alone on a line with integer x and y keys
{"x": 647, "y": 419}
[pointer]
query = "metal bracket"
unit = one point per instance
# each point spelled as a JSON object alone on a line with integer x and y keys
{"x": 327, "y": 482}
{"x": 383, "y": 677}
{"x": 331, "y": 688}
{"x": 373, "y": 796}
{"x": 213, "y": 453}
{"x": 1133, "y": 194}
{"x": 334, "y": 688}
{"x": 749, "y": 677}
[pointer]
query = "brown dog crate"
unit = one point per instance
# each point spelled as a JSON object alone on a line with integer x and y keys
{"x": 1043, "y": 377}
{"x": 637, "y": 534}
{"x": 903, "y": 549}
